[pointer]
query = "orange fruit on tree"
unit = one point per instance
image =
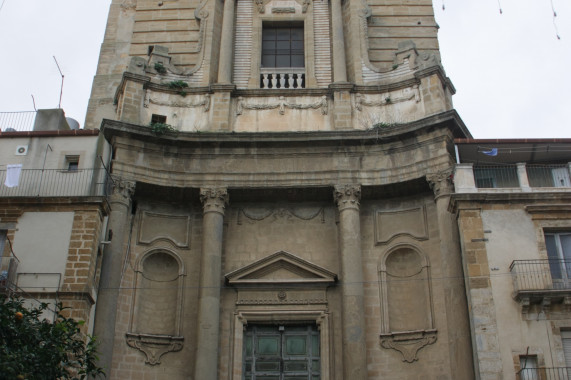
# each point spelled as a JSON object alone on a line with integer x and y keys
{"x": 19, "y": 316}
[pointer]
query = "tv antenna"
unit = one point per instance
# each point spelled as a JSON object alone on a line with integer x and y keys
{"x": 61, "y": 88}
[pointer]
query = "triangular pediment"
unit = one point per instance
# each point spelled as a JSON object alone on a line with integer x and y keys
{"x": 281, "y": 268}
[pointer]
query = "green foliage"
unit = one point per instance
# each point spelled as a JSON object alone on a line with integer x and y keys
{"x": 34, "y": 348}
{"x": 395, "y": 66}
{"x": 388, "y": 100}
{"x": 177, "y": 84}
{"x": 161, "y": 128}
{"x": 383, "y": 124}
{"x": 159, "y": 68}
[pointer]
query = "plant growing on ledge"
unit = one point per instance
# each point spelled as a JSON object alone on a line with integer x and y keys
{"x": 161, "y": 128}
{"x": 160, "y": 68}
{"x": 177, "y": 84}
{"x": 382, "y": 125}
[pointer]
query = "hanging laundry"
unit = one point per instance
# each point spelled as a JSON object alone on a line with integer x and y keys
{"x": 491, "y": 152}
{"x": 13, "y": 175}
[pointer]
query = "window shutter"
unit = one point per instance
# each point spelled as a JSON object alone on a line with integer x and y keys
{"x": 566, "y": 340}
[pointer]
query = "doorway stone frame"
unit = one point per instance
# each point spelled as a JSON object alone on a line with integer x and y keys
{"x": 321, "y": 318}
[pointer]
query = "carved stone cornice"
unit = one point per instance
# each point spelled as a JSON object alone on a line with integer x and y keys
{"x": 122, "y": 191}
{"x": 441, "y": 182}
{"x": 347, "y": 196}
{"x": 408, "y": 343}
{"x": 214, "y": 199}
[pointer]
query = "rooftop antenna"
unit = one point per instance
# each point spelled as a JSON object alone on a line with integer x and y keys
{"x": 34, "y": 101}
{"x": 61, "y": 88}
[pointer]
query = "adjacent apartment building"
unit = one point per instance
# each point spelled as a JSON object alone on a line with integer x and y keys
{"x": 52, "y": 212}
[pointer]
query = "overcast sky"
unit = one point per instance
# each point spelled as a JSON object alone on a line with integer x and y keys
{"x": 511, "y": 73}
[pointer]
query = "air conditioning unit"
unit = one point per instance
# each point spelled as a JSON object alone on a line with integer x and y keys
{"x": 21, "y": 150}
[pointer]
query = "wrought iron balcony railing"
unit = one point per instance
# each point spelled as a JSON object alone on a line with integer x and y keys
{"x": 17, "y": 121}
{"x": 555, "y": 373}
{"x": 541, "y": 274}
{"x": 496, "y": 176}
{"x": 56, "y": 183}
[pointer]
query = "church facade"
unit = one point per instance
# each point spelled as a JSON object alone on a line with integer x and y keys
{"x": 282, "y": 177}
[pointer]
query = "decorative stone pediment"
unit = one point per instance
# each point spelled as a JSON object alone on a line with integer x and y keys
{"x": 281, "y": 269}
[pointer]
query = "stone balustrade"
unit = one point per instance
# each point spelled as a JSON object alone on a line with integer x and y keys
{"x": 282, "y": 77}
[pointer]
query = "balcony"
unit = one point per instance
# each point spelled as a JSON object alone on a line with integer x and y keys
{"x": 542, "y": 281}
{"x": 17, "y": 121}
{"x": 56, "y": 183}
{"x": 556, "y": 373}
{"x": 470, "y": 178}
{"x": 282, "y": 78}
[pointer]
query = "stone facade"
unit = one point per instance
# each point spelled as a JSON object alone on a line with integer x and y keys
{"x": 255, "y": 202}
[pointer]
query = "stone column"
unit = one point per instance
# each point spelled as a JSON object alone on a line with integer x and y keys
{"x": 214, "y": 201}
{"x": 226, "y": 48}
{"x": 457, "y": 319}
{"x": 111, "y": 266}
{"x": 354, "y": 349}
{"x": 339, "y": 64}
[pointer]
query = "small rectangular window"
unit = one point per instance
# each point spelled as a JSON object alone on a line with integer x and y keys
{"x": 72, "y": 163}
{"x": 162, "y": 119}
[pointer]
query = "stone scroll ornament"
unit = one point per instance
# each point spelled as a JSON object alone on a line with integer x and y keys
{"x": 387, "y": 99}
{"x": 205, "y": 102}
{"x": 408, "y": 343}
{"x": 282, "y": 105}
{"x": 154, "y": 346}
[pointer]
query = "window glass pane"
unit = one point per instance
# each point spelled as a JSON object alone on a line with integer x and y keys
{"x": 269, "y": 45}
{"x": 282, "y": 61}
{"x": 283, "y": 34}
{"x": 269, "y": 61}
{"x": 566, "y": 245}
{"x": 297, "y": 45}
{"x": 297, "y": 61}
{"x": 297, "y": 34}
{"x": 284, "y": 46}
{"x": 269, "y": 34}
{"x": 554, "y": 262}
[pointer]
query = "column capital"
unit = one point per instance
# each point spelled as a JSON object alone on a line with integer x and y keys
{"x": 441, "y": 182}
{"x": 122, "y": 191}
{"x": 214, "y": 199}
{"x": 347, "y": 196}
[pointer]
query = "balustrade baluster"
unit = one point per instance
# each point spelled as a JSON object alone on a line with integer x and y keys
{"x": 290, "y": 80}
{"x": 265, "y": 80}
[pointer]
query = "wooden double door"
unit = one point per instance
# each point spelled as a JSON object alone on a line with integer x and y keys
{"x": 281, "y": 352}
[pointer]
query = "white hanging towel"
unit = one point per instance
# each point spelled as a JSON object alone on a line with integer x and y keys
{"x": 13, "y": 175}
